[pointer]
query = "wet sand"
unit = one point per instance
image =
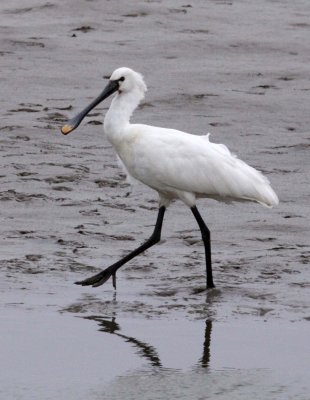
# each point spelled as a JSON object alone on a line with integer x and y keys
{"x": 237, "y": 69}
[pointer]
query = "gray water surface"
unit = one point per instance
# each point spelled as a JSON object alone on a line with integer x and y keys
{"x": 49, "y": 356}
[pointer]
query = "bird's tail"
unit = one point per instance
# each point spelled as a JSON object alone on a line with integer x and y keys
{"x": 256, "y": 186}
{"x": 267, "y": 196}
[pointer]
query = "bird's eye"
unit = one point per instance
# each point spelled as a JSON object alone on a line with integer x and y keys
{"x": 121, "y": 79}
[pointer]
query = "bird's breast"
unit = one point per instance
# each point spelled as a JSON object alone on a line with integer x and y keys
{"x": 125, "y": 145}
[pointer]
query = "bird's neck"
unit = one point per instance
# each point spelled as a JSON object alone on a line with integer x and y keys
{"x": 120, "y": 111}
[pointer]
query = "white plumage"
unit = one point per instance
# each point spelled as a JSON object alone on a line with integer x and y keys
{"x": 176, "y": 164}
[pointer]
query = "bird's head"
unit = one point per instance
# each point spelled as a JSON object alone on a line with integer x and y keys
{"x": 128, "y": 80}
{"x": 123, "y": 80}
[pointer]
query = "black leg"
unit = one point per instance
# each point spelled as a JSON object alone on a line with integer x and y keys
{"x": 104, "y": 275}
{"x": 205, "y": 234}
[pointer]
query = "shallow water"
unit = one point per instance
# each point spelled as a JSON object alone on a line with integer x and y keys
{"x": 47, "y": 355}
{"x": 237, "y": 69}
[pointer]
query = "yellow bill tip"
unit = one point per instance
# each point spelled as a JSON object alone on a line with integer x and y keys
{"x": 66, "y": 129}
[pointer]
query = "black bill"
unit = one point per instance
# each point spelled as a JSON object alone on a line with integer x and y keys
{"x": 74, "y": 122}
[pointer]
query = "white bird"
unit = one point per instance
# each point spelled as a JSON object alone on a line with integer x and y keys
{"x": 176, "y": 164}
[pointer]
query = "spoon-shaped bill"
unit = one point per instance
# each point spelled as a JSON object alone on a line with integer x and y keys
{"x": 74, "y": 122}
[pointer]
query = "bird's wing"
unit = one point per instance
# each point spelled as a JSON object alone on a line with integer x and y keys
{"x": 167, "y": 159}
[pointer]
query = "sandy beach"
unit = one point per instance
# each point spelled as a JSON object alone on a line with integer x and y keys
{"x": 237, "y": 69}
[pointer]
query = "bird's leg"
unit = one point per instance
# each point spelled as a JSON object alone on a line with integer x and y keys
{"x": 206, "y": 238}
{"x": 104, "y": 275}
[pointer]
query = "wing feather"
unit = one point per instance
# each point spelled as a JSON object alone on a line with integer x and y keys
{"x": 170, "y": 160}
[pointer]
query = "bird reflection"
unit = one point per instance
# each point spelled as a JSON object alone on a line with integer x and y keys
{"x": 144, "y": 349}
{"x": 205, "y": 359}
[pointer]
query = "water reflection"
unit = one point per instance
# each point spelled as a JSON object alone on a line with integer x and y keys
{"x": 146, "y": 350}
{"x": 205, "y": 359}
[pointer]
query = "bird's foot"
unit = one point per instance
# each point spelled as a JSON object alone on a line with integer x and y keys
{"x": 99, "y": 279}
{"x": 210, "y": 285}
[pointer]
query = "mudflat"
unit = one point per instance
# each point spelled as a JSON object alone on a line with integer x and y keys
{"x": 237, "y": 69}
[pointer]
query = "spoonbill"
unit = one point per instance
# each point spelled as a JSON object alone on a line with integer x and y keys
{"x": 176, "y": 164}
